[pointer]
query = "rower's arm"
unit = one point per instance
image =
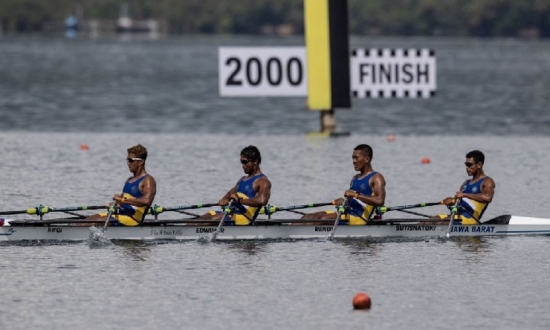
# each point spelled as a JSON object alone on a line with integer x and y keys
{"x": 379, "y": 189}
{"x": 148, "y": 188}
{"x": 262, "y": 186}
{"x": 486, "y": 194}
{"x": 231, "y": 191}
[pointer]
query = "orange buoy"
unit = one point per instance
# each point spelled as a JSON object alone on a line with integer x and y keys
{"x": 361, "y": 301}
{"x": 84, "y": 146}
{"x": 390, "y": 138}
{"x": 425, "y": 160}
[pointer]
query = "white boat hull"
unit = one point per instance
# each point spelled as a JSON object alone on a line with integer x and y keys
{"x": 66, "y": 232}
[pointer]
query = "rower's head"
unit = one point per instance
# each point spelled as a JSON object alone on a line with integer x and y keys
{"x": 474, "y": 162}
{"x": 136, "y": 157}
{"x": 362, "y": 156}
{"x": 250, "y": 159}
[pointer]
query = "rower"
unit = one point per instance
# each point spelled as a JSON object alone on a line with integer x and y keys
{"x": 249, "y": 195}
{"x": 367, "y": 191}
{"x": 475, "y": 194}
{"x": 138, "y": 192}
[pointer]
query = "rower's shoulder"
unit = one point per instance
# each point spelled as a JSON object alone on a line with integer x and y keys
{"x": 264, "y": 178}
{"x": 488, "y": 181}
{"x": 148, "y": 177}
{"x": 378, "y": 175}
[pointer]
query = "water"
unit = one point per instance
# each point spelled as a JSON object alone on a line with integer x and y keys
{"x": 170, "y": 85}
{"x": 112, "y": 94}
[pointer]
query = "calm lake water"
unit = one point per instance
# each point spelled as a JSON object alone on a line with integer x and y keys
{"x": 56, "y": 94}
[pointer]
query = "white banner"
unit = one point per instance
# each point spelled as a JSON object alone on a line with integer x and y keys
{"x": 393, "y": 73}
{"x": 262, "y": 71}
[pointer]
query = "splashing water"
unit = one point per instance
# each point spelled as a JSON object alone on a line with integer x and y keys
{"x": 97, "y": 236}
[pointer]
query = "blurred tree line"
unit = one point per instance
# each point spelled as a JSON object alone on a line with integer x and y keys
{"x": 366, "y": 17}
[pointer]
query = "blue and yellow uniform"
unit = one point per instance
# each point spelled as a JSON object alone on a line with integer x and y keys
{"x": 130, "y": 215}
{"x": 358, "y": 213}
{"x": 470, "y": 211}
{"x": 244, "y": 215}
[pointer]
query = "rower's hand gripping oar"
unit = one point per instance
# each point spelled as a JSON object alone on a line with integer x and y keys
{"x": 454, "y": 211}
{"x": 268, "y": 209}
{"x": 226, "y": 212}
{"x": 341, "y": 210}
{"x": 384, "y": 209}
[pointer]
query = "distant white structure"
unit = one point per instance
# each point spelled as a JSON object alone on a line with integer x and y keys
{"x": 126, "y": 24}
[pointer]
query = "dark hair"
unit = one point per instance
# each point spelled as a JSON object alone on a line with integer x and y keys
{"x": 477, "y": 155}
{"x": 138, "y": 150}
{"x": 252, "y": 153}
{"x": 365, "y": 149}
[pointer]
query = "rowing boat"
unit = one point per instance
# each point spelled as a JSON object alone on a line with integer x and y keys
{"x": 68, "y": 229}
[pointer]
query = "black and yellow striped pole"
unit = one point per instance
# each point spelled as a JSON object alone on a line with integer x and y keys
{"x": 327, "y": 46}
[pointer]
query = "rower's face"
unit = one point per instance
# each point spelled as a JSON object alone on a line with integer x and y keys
{"x": 359, "y": 160}
{"x": 247, "y": 164}
{"x": 471, "y": 166}
{"x": 133, "y": 162}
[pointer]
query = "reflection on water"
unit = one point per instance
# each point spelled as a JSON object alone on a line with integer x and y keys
{"x": 475, "y": 249}
{"x": 248, "y": 247}
{"x": 361, "y": 247}
{"x": 473, "y": 244}
{"x": 136, "y": 250}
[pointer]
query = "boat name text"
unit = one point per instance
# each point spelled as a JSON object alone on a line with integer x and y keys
{"x": 473, "y": 229}
{"x": 415, "y": 228}
{"x": 208, "y": 230}
{"x": 166, "y": 232}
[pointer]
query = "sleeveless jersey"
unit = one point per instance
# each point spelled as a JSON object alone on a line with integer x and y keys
{"x": 362, "y": 186}
{"x": 468, "y": 208}
{"x": 130, "y": 191}
{"x": 245, "y": 190}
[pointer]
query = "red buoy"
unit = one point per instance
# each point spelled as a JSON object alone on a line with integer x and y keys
{"x": 361, "y": 301}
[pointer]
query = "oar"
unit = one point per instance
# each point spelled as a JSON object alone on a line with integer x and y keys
{"x": 341, "y": 210}
{"x": 157, "y": 209}
{"x": 268, "y": 209}
{"x": 112, "y": 209}
{"x": 226, "y": 211}
{"x": 454, "y": 210}
{"x": 45, "y": 209}
{"x": 98, "y": 235}
{"x": 384, "y": 209}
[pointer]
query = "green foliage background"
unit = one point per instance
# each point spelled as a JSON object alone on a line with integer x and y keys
{"x": 366, "y": 17}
